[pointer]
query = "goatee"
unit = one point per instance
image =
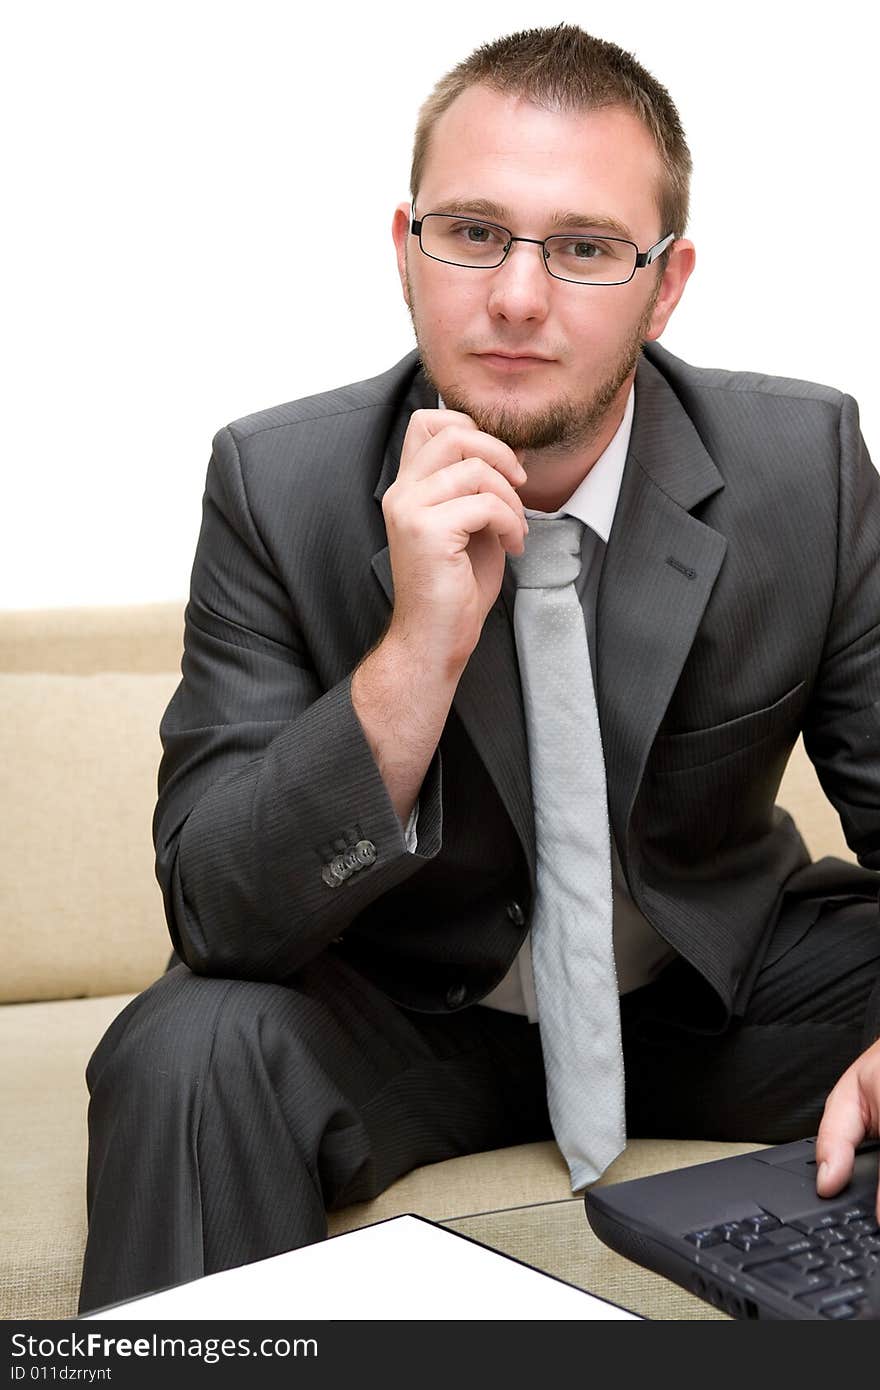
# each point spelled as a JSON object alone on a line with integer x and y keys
{"x": 565, "y": 425}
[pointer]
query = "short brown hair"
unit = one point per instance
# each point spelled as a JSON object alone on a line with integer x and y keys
{"x": 566, "y": 69}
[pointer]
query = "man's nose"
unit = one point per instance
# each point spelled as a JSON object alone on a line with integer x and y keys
{"x": 521, "y": 286}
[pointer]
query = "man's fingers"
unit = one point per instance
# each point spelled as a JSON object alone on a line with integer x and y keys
{"x": 466, "y": 477}
{"x": 479, "y": 512}
{"x": 424, "y": 427}
{"x": 842, "y": 1129}
{"x": 427, "y": 450}
{"x": 424, "y": 424}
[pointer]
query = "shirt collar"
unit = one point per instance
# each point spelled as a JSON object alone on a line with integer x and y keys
{"x": 594, "y": 500}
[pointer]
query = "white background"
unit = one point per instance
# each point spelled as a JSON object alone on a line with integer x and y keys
{"x": 170, "y": 166}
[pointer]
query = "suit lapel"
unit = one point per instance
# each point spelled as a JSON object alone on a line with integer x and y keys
{"x": 659, "y": 569}
{"x": 658, "y": 573}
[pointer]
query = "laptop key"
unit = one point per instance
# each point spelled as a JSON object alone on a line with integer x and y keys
{"x": 765, "y": 1222}
{"x": 838, "y": 1254}
{"x": 823, "y": 1299}
{"x": 787, "y": 1279}
{"x": 842, "y": 1254}
{"x": 817, "y": 1221}
{"x": 778, "y": 1252}
{"x": 835, "y": 1235}
{"x": 855, "y": 1213}
{"x": 703, "y": 1239}
{"x": 749, "y": 1241}
{"x": 728, "y": 1229}
{"x": 841, "y": 1310}
{"x": 856, "y": 1229}
{"x": 787, "y": 1236}
{"x": 810, "y": 1261}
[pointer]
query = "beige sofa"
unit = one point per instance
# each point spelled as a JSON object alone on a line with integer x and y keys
{"x": 83, "y": 930}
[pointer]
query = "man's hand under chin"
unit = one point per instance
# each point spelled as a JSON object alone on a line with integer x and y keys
{"x": 851, "y": 1115}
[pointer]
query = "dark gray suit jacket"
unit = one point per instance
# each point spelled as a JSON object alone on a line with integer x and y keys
{"x": 739, "y": 603}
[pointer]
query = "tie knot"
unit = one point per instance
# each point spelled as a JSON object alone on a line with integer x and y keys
{"x": 552, "y": 556}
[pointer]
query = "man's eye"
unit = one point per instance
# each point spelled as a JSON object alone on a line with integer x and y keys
{"x": 586, "y": 250}
{"x": 478, "y": 234}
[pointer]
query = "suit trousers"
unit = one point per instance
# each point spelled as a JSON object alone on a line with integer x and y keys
{"x": 228, "y": 1116}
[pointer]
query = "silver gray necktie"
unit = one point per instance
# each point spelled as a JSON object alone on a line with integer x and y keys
{"x": 572, "y": 947}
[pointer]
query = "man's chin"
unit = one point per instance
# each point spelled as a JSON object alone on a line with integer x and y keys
{"x": 507, "y": 416}
{"x": 513, "y": 412}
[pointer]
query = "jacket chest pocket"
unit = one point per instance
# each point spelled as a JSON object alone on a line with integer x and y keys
{"x": 717, "y": 784}
{"x": 685, "y": 752}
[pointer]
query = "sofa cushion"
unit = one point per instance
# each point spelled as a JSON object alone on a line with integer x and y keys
{"x": 43, "y": 1100}
{"x": 80, "y": 910}
{"x": 78, "y": 641}
{"x": 516, "y": 1177}
{"x": 802, "y": 796}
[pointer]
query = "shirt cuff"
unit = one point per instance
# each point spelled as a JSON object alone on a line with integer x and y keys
{"x": 412, "y": 839}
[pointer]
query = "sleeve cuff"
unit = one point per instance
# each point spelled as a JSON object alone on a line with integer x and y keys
{"x": 410, "y": 833}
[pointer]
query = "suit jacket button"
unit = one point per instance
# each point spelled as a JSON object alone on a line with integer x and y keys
{"x": 365, "y": 851}
{"x": 335, "y": 873}
{"x": 455, "y": 995}
{"x": 516, "y": 914}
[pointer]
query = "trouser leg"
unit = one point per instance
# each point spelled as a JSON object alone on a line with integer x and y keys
{"x": 814, "y": 1008}
{"x": 227, "y": 1116}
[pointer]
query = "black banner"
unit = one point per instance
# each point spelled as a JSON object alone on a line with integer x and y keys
{"x": 540, "y": 1355}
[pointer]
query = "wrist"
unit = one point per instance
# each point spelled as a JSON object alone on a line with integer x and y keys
{"x": 419, "y": 651}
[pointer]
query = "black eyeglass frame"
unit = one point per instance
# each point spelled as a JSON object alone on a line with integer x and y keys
{"x": 643, "y": 258}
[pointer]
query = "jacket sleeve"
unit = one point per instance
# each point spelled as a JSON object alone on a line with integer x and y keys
{"x": 273, "y": 828}
{"x": 842, "y": 729}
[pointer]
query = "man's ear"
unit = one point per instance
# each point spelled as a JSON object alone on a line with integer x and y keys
{"x": 400, "y": 232}
{"x": 682, "y": 257}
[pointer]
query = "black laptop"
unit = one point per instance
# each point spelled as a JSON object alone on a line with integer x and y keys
{"x": 750, "y": 1234}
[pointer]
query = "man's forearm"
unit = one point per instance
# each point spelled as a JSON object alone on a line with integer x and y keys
{"x": 402, "y": 706}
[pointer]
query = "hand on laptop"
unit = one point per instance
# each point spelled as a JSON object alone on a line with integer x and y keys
{"x": 851, "y": 1115}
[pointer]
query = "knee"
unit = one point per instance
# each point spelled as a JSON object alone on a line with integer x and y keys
{"x": 178, "y": 1030}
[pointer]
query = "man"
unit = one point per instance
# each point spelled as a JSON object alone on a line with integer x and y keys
{"x": 382, "y": 924}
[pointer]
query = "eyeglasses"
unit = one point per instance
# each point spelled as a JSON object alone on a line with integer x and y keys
{"x": 581, "y": 260}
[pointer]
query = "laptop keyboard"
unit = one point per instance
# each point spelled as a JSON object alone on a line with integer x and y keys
{"x": 822, "y": 1260}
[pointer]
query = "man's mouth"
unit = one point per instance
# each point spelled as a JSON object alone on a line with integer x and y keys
{"x": 512, "y": 361}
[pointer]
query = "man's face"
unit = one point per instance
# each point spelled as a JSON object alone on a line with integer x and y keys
{"x": 505, "y": 160}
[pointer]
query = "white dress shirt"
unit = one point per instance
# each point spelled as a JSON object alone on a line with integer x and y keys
{"x": 639, "y": 951}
